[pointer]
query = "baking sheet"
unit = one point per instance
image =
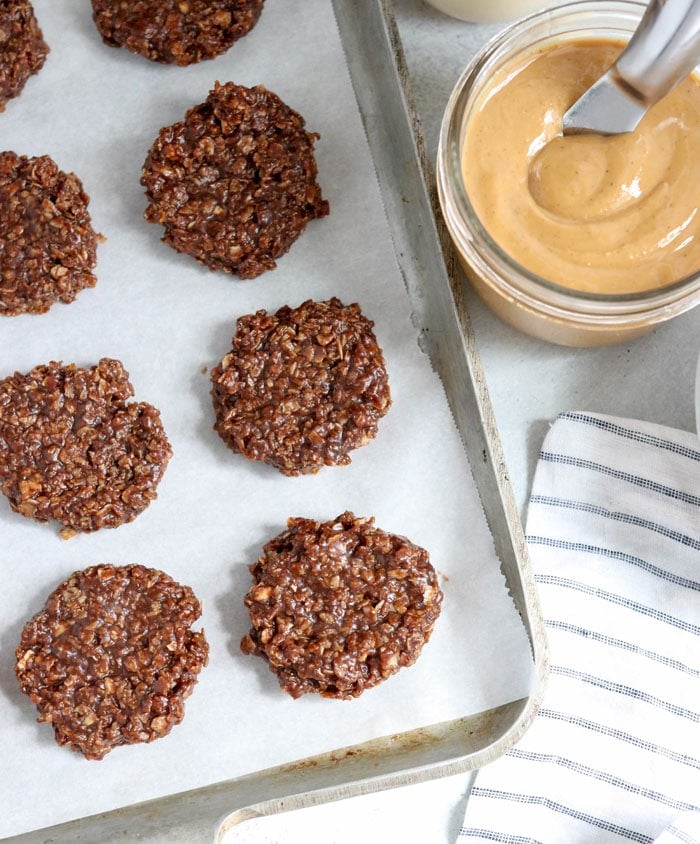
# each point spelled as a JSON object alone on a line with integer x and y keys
{"x": 96, "y": 111}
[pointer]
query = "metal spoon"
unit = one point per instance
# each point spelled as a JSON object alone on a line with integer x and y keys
{"x": 662, "y": 52}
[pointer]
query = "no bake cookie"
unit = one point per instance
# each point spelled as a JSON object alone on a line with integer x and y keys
{"x": 302, "y": 387}
{"x": 234, "y": 183}
{"x": 48, "y": 247}
{"x": 111, "y": 657}
{"x": 337, "y": 607}
{"x": 74, "y": 449}
{"x": 23, "y": 50}
{"x": 177, "y": 32}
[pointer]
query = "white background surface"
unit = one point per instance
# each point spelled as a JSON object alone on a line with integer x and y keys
{"x": 96, "y": 110}
{"x": 429, "y": 813}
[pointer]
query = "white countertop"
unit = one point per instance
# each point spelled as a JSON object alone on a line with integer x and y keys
{"x": 429, "y": 813}
{"x": 530, "y": 382}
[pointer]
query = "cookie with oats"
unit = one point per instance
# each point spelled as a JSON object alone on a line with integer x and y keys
{"x": 338, "y": 607}
{"x": 234, "y": 183}
{"x": 301, "y": 388}
{"x": 74, "y": 448}
{"x": 179, "y": 32}
{"x": 48, "y": 247}
{"x": 23, "y": 50}
{"x": 112, "y": 657}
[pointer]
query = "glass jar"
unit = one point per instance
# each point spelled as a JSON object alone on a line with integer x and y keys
{"x": 522, "y": 298}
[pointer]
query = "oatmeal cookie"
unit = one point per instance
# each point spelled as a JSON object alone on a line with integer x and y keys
{"x": 337, "y": 607}
{"x": 48, "y": 247}
{"x": 175, "y": 31}
{"x": 302, "y": 387}
{"x": 234, "y": 184}
{"x": 23, "y": 50}
{"x": 74, "y": 449}
{"x": 111, "y": 657}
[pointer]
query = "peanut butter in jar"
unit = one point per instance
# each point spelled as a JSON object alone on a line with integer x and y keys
{"x": 580, "y": 240}
{"x": 603, "y": 215}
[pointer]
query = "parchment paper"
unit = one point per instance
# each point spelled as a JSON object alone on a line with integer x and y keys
{"x": 96, "y": 110}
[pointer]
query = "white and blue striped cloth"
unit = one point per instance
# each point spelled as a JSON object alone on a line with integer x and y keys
{"x": 614, "y": 755}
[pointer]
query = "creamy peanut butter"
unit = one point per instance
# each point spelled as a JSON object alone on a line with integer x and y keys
{"x": 601, "y": 215}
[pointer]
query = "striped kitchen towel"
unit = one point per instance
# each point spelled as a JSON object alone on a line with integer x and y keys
{"x": 613, "y": 529}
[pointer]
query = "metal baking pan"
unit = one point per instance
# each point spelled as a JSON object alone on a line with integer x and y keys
{"x": 375, "y": 60}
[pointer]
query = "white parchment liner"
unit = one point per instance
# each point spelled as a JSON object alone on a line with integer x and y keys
{"x": 96, "y": 110}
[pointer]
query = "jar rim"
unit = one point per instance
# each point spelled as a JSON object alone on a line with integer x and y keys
{"x": 519, "y": 282}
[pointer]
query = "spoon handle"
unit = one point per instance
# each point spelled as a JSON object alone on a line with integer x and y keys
{"x": 662, "y": 51}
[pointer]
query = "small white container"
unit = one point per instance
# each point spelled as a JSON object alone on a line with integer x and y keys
{"x": 489, "y": 10}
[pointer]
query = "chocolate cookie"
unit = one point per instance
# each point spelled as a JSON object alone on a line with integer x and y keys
{"x": 23, "y": 50}
{"x": 111, "y": 657}
{"x": 234, "y": 184}
{"x": 175, "y": 31}
{"x": 302, "y": 387}
{"x": 47, "y": 243}
{"x": 337, "y": 607}
{"x": 72, "y": 448}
